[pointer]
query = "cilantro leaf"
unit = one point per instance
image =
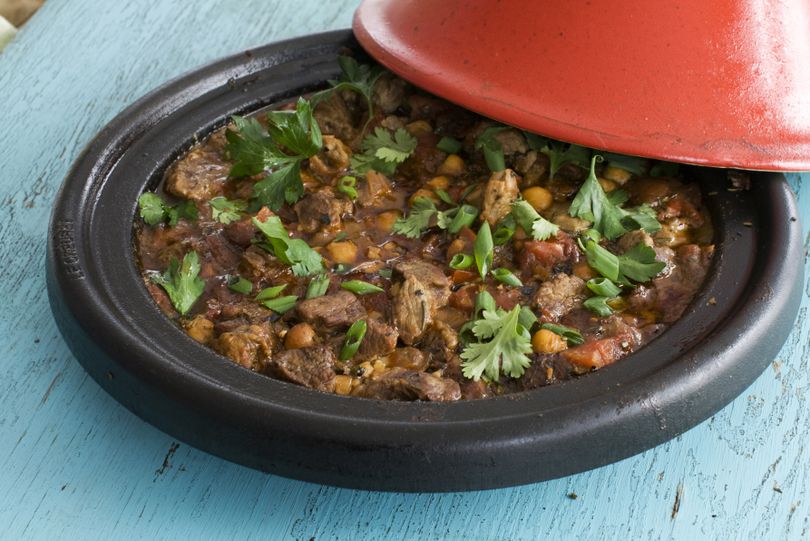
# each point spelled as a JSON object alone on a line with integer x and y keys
{"x": 355, "y": 77}
{"x": 303, "y": 260}
{"x": 560, "y": 154}
{"x": 417, "y": 221}
{"x": 633, "y": 164}
{"x": 531, "y": 221}
{"x": 154, "y": 210}
{"x": 182, "y": 282}
{"x": 186, "y": 209}
{"x": 639, "y": 263}
{"x": 642, "y": 217}
{"x": 502, "y": 347}
{"x": 291, "y": 137}
{"x": 592, "y": 204}
{"x": 383, "y": 152}
{"x": 226, "y": 211}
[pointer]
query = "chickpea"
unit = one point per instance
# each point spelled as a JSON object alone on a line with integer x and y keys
{"x": 344, "y": 252}
{"x": 299, "y": 336}
{"x": 539, "y": 198}
{"x": 545, "y": 341}
{"x": 607, "y": 185}
{"x": 422, "y": 192}
{"x": 419, "y": 127}
{"x": 453, "y": 166}
{"x": 617, "y": 175}
{"x": 385, "y": 220}
{"x": 343, "y": 384}
{"x": 441, "y": 182}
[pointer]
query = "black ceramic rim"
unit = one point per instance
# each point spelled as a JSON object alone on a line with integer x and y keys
{"x": 149, "y": 365}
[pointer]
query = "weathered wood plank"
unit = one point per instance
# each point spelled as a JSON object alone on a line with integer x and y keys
{"x": 76, "y": 465}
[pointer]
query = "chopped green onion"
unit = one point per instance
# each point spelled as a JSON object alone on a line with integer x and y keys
{"x": 270, "y": 292}
{"x": 461, "y": 261}
{"x": 386, "y": 273}
{"x": 341, "y": 268}
{"x": 354, "y": 336}
{"x": 281, "y": 304}
{"x": 603, "y": 287}
{"x": 572, "y": 336}
{"x": 483, "y": 250}
{"x": 347, "y": 185}
{"x": 484, "y": 301}
{"x": 317, "y": 286}
{"x": 527, "y": 319}
{"x": 599, "y": 306}
{"x": 239, "y": 284}
{"x": 506, "y": 276}
{"x": 360, "y": 287}
{"x": 449, "y": 145}
{"x": 504, "y": 231}
{"x": 444, "y": 196}
{"x": 493, "y": 149}
{"x": 464, "y": 217}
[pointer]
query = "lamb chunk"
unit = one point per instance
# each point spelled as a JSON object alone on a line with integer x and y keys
{"x": 373, "y": 190}
{"x": 423, "y": 291}
{"x": 532, "y": 166}
{"x": 247, "y": 310}
{"x": 403, "y": 384}
{"x": 258, "y": 264}
{"x": 389, "y": 91}
{"x": 333, "y": 159}
{"x": 630, "y": 240}
{"x": 321, "y": 209}
{"x": 241, "y": 232}
{"x": 439, "y": 342}
{"x": 218, "y": 255}
{"x": 512, "y": 141}
{"x": 333, "y": 311}
{"x": 248, "y": 345}
{"x": 311, "y": 367}
{"x": 558, "y": 296}
{"x": 500, "y": 192}
{"x": 334, "y": 117}
{"x": 202, "y": 173}
{"x": 380, "y": 339}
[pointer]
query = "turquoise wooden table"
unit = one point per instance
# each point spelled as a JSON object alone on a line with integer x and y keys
{"x": 76, "y": 465}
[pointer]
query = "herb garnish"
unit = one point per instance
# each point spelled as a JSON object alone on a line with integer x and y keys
{"x": 360, "y": 287}
{"x": 239, "y": 284}
{"x": 270, "y": 292}
{"x": 483, "y": 250}
{"x": 383, "y": 152}
{"x": 356, "y": 77}
{"x": 572, "y": 336}
{"x": 560, "y": 153}
{"x": 347, "y": 185}
{"x": 449, "y": 145}
{"x": 294, "y": 252}
{"x": 354, "y": 336}
{"x": 281, "y": 305}
{"x": 493, "y": 149}
{"x": 638, "y": 264}
{"x": 291, "y": 137}
{"x": 317, "y": 286}
{"x": 531, "y": 222}
{"x": 502, "y": 346}
{"x": 227, "y": 211}
{"x": 417, "y": 221}
{"x": 154, "y": 210}
{"x": 182, "y": 282}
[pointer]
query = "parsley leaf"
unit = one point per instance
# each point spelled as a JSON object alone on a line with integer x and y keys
{"x": 531, "y": 222}
{"x": 639, "y": 263}
{"x": 291, "y": 137}
{"x": 294, "y": 252}
{"x": 356, "y": 77}
{"x": 502, "y": 347}
{"x": 417, "y": 221}
{"x": 182, "y": 282}
{"x": 383, "y": 152}
{"x": 560, "y": 154}
{"x": 226, "y": 211}
{"x": 633, "y": 164}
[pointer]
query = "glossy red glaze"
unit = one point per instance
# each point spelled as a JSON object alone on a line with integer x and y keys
{"x": 721, "y": 83}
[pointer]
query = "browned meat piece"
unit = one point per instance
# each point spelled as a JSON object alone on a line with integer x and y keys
{"x": 339, "y": 309}
{"x": 672, "y": 291}
{"x": 321, "y": 210}
{"x": 247, "y": 345}
{"x": 241, "y": 232}
{"x": 512, "y": 141}
{"x": 543, "y": 259}
{"x": 334, "y": 117}
{"x": 200, "y": 329}
{"x": 311, "y": 367}
{"x": 402, "y": 384}
{"x": 408, "y": 357}
{"x": 423, "y": 291}
{"x": 380, "y": 339}
{"x": 389, "y": 91}
{"x": 333, "y": 159}
{"x": 202, "y": 173}
{"x": 473, "y": 390}
{"x": 373, "y": 190}
{"x": 532, "y": 166}
{"x": 558, "y": 296}
{"x": 500, "y": 192}
{"x": 258, "y": 264}
{"x": 630, "y": 240}
{"x": 439, "y": 343}
{"x": 217, "y": 254}
{"x": 247, "y": 310}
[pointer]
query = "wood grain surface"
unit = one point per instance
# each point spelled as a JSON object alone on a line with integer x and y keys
{"x": 76, "y": 465}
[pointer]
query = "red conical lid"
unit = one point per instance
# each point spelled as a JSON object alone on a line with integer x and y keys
{"x": 720, "y": 82}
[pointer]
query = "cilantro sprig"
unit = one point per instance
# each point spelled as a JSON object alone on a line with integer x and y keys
{"x": 303, "y": 260}
{"x": 560, "y": 153}
{"x": 502, "y": 346}
{"x": 182, "y": 282}
{"x": 227, "y": 211}
{"x": 290, "y": 138}
{"x": 417, "y": 221}
{"x": 383, "y": 152}
{"x": 531, "y": 221}
{"x": 636, "y": 265}
{"x": 154, "y": 210}
{"x": 355, "y": 77}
